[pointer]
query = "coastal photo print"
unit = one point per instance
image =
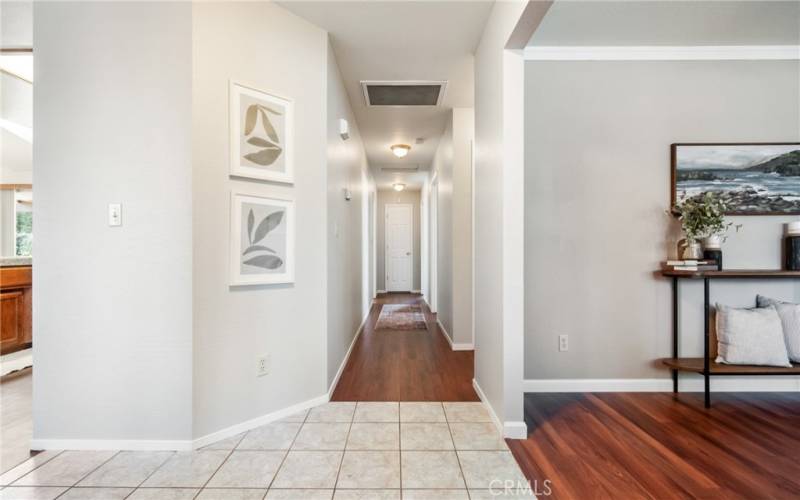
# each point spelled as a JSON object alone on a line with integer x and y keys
{"x": 752, "y": 179}
{"x": 261, "y": 128}
{"x": 262, "y": 240}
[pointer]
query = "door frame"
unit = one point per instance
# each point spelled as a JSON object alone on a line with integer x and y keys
{"x": 386, "y": 245}
{"x": 433, "y": 243}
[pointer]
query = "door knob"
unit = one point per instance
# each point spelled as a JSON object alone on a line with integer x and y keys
{"x": 408, "y": 253}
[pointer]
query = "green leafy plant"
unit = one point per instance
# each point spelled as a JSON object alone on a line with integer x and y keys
{"x": 702, "y": 216}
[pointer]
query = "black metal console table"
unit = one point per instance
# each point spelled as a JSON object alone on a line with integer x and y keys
{"x": 705, "y": 365}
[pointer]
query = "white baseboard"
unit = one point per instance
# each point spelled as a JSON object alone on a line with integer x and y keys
{"x": 416, "y": 291}
{"x": 454, "y": 346}
{"x": 511, "y": 429}
{"x": 687, "y": 383}
{"x": 515, "y": 430}
{"x": 112, "y": 444}
{"x": 257, "y": 422}
{"x": 174, "y": 445}
{"x": 335, "y": 381}
{"x": 16, "y": 361}
{"x": 380, "y": 291}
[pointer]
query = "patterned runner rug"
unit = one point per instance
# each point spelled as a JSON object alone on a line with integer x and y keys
{"x": 401, "y": 317}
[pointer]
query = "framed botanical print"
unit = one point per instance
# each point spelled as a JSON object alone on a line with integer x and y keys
{"x": 262, "y": 134}
{"x": 262, "y": 240}
{"x": 751, "y": 178}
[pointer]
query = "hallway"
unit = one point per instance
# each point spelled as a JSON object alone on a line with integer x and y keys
{"x": 405, "y": 365}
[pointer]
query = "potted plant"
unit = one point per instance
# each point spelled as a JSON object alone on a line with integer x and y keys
{"x": 702, "y": 218}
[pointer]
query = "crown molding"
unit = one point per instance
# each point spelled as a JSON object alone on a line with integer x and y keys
{"x": 664, "y": 53}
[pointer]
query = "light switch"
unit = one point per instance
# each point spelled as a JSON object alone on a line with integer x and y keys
{"x": 115, "y": 214}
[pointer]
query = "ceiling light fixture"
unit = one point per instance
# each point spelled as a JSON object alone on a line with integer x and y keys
{"x": 400, "y": 150}
{"x": 398, "y": 186}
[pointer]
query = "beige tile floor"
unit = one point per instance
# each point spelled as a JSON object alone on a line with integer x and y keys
{"x": 337, "y": 451}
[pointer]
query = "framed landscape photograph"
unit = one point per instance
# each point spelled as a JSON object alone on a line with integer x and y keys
{"x": 262, "y": 240}
{"x": 753, "y": 179}
{"x": 262, "y": 130}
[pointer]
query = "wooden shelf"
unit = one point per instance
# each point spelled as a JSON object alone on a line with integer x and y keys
{"x": 696, "y": 365}
{"x": 731, "y": 273}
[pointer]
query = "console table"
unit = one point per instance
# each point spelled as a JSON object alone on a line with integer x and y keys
{"x": 706, "y": 366}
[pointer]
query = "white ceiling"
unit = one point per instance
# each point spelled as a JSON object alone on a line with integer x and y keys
{"x": 588, "y": 23}
{"x": 401, "y": 40}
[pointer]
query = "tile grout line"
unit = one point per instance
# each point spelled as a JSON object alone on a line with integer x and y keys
{"x": 339, "y": 470}
{"x": 228, "y": 456}
{"x": 455, "y": 450}
{"x": 31, "y": 458}
{"x": 151, "y": 474}
{"x": 88, "y": 474}
{"x": 285, "y": 455}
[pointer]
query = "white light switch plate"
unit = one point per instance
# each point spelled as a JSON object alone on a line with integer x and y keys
{"x": 115, "y": 214}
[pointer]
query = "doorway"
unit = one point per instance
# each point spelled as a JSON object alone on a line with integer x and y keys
{"x": 399, "y": 247}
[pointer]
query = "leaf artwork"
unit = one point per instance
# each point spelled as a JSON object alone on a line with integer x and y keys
{"x": 265, "y": 261}
{"x": 250, "y": 221}
{"x": 267, "y": 224}
{"x": 271, "y": 149}
{"x": 258, "y": 248}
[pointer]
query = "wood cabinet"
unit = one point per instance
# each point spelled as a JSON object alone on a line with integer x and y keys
{"x": 15, "y": 309}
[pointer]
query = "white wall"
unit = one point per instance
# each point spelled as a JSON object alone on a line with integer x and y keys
{"x": 598, "y": 138}
{"x": 452, "y": 163}
{"x": 269, "y": 48}
{"x": 490, "y": 357}
{"x": 112, "y": 305}
{"x": 463, "y": 138}
{"x": 385, "y": 196}
{"x": 347, "y": 169}
{"x": 442, "y": 165}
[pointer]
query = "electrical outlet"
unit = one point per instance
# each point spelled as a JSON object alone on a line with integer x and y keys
{"x": 263, "y": 365}
{"x": 563, "y": 343}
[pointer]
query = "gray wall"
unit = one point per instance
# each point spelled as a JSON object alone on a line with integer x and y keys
{"x": 389, "y": 196}
{"x": 346, "y": 164}
{"x": 113, "y": 305}
{"x": 463, "y": 136}
{"x": 443, "y": 166}
{"x": 234, "y": 325}
{"x": 597, "y": 185}
{"x": 489, "y": 358}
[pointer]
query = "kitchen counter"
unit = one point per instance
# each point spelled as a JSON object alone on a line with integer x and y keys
{"x": 15, "y": 261}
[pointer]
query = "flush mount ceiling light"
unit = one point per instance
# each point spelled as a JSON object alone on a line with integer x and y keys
{"x": 400, "y": 150}
{"x": 398, "y": 186}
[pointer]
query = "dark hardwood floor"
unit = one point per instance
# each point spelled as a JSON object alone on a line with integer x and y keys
{"x": 662, "y": 446}
{"x": 405, "y": 365}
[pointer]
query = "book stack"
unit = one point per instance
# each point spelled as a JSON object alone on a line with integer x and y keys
{"x": 691, "y": 265}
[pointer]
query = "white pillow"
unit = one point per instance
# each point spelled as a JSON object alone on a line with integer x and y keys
{"x": 790, "y": 319}
{"x": 750, "y": 337}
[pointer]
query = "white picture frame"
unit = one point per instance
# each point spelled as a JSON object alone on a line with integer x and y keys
{"x": 261, "y": 134}
{"x": 256, "y": 240}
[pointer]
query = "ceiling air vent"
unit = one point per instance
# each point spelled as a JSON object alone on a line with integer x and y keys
{"x": 403, "y": 93}
{"x": 398, "y": 169}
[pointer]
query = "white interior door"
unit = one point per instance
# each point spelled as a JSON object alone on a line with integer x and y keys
{"x": 399, "y": 247}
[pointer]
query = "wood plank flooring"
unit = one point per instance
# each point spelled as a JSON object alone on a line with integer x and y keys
{"x": 643, "y": 445}
{"x": 405, "y": 365}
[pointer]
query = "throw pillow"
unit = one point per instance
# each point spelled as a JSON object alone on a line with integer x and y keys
{"x": 790, "y": 319}
{"x": 750, "y": 337}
